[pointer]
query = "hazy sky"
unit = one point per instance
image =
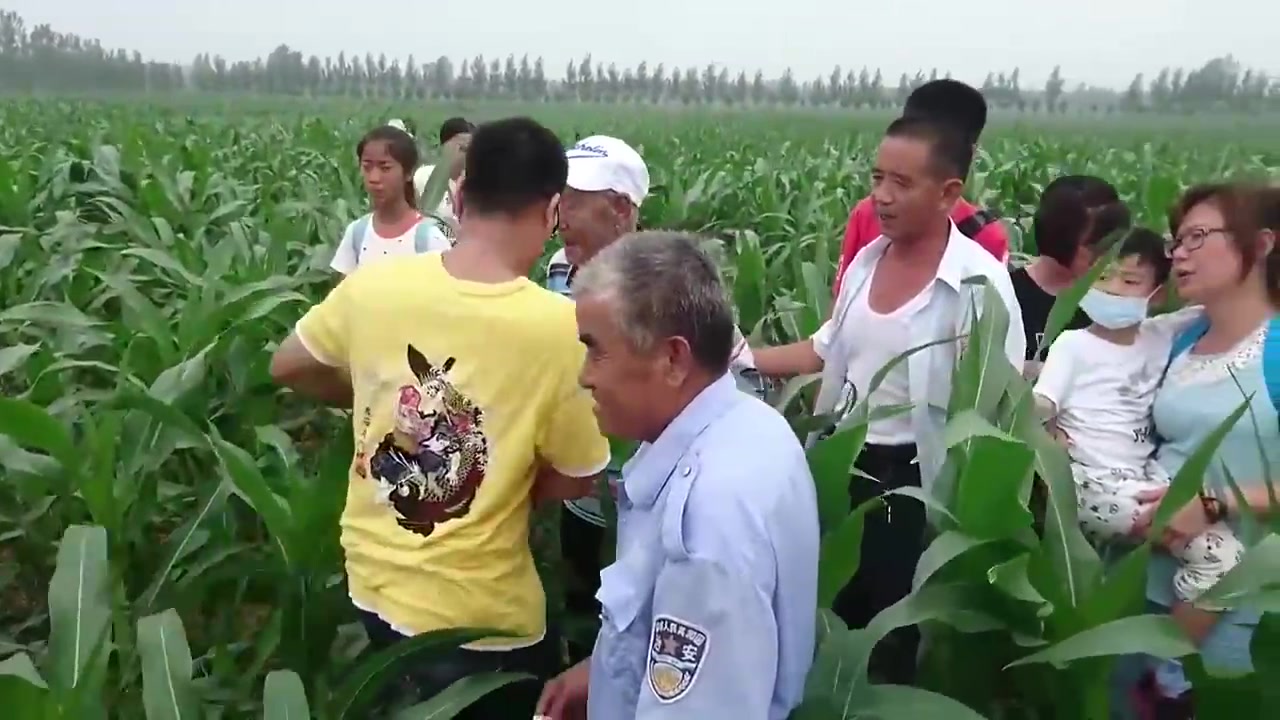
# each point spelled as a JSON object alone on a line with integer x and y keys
{"x": 1102, "y": 42}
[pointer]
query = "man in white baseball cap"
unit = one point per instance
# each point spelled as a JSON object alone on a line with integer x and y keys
{"x": 601, "y": 202}
{"x": 607, "y": 182}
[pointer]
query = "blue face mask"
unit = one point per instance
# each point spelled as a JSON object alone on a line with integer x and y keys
{"x": 1114, "y": 312}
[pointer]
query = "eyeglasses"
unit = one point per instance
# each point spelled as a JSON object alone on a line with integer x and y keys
{"x": 1191, "y": 240}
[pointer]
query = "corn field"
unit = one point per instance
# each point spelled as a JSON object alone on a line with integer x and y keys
{"x": 169, "y": 518}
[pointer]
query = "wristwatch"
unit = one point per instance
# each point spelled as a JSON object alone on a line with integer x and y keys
{"x": 1215, "y": 510}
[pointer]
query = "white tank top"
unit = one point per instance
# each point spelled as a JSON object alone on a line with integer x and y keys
{"x": 881, "y": 338}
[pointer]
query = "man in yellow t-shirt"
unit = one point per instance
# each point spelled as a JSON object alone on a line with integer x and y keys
{"x": 463, "y": 379}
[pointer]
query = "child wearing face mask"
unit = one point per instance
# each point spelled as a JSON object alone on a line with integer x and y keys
{"x": 1096, "y": 391}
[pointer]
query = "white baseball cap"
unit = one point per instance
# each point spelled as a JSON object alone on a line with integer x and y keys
{"x": 601, "y": 162}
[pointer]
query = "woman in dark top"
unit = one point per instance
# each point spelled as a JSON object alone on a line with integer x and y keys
{"x": 1075, "y": 214}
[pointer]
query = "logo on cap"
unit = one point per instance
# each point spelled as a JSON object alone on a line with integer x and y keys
{"x": 583, "y": 149}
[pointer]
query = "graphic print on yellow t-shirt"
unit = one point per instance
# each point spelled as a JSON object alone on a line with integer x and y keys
{"x": 461, "y": 391}
{"x": 432, "y": 462}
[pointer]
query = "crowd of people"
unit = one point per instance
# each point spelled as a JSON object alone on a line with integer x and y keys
{"x": 477, "y": 394}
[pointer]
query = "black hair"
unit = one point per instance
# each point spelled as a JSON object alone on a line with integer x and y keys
{"x": 454, "y": 127}
{"x": 950, "y": 153}
{"x": 1149, "y": 248}
{"x": 401, "y": 148}
{"x": 951, "y": 102}
{"x": 1095, "y": 191}
{"x": 1077, "y": 211}
{"x": 513, "y": 164}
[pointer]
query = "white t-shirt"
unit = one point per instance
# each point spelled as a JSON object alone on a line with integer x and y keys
{"x": 420, "y": 178}
{"x": 892, "y": 333}
{"x": 1102, "y": 392}
{"x": 353, "y": 252}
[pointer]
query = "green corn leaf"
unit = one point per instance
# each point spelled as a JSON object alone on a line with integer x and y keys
{"x": 79, "y": 606}
{"x": 167, "y": 689}
{"x": 460, "y": 695}
{"x": 284, "y": 697}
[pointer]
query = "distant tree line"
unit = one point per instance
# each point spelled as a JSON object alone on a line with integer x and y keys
{"x": 43, "y": 60}
{"x": 1220, "y": 84}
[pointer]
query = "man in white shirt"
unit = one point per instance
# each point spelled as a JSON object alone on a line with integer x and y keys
{"x": 902, "y": 291}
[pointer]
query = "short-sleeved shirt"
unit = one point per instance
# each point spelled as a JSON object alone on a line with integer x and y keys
{"x": 708, "y": 610}
{"x": 1102, "y": 392}
{"x": 461, "y": 390}
{"x": 864, "y": 228}
{"x": 372, "y": 247}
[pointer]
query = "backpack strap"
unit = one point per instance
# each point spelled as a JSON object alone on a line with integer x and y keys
{"x": 1271, "y": 362}
{"x": 358, "y": 232}
{"x": 1190, "y": 335}
{"x": 1185, "y": 340}
{"x": 422, "y": 236}
{"x": 974, "y": 224}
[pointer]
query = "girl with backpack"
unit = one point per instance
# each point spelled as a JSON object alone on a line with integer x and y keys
{"x": 388, "y": 157}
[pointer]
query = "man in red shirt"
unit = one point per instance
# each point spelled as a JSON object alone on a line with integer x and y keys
{"x": 963, "y": 107}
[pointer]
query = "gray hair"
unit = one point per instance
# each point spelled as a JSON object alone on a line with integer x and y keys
{"x": 662, "y": 285}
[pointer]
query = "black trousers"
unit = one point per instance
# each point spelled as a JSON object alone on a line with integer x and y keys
{"x": 581, "y": 543}
{"x": 892, "y": 540}
{"x": 423, "y": 679}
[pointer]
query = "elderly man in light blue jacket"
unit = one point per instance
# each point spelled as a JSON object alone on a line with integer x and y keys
{"x": 709, "y": 610}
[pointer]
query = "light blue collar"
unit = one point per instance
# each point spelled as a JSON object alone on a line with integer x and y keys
{"x": 644, "y": 476}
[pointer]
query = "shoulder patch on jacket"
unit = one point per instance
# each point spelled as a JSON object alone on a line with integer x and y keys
{"x": 677, "y": 650}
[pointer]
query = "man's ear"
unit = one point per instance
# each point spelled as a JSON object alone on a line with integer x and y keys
{"x": 553, "y": 214}
{"x": 677, "y": 358}
{"x": 625, "y": 210}
{"x": 952, "y": 190}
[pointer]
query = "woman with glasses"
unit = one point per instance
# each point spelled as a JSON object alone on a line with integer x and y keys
{"x": 1224, "y": 253}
